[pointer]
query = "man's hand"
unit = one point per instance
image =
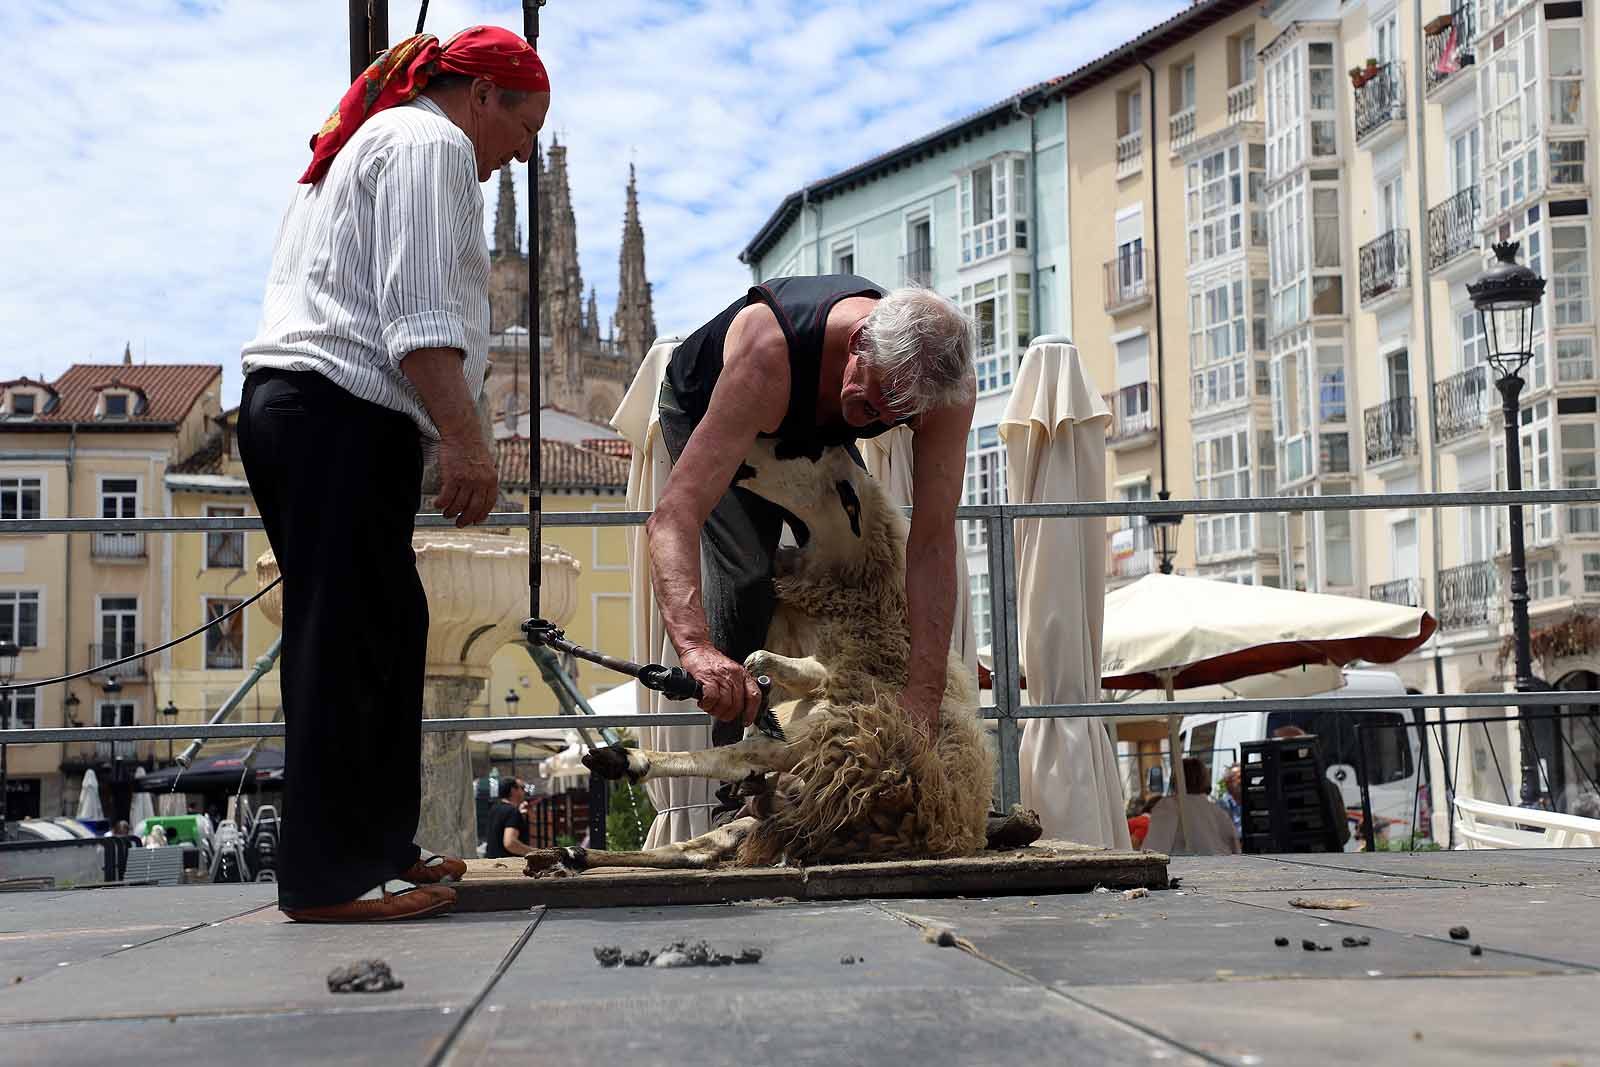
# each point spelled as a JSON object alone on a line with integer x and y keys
{"x": 921, "y": 707}
{"x": 469, "y": 483}
{"x": 729, "y": 692}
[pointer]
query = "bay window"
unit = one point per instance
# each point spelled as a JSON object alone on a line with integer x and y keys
{"x": 994, "y": 209}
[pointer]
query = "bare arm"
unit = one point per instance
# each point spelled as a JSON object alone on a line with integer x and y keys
{"x": 940, "y": 457}
{"x": 751, "y": 395}
{"x": 469, "y": 480}
{"x": 512, "y": 843}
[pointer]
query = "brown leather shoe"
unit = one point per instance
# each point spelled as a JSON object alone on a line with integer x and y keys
{"x": 448, "y": 869}
{"x": 416, "y": 903}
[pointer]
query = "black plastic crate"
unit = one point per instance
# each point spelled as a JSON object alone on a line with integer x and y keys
{"x": 1284, "y": 806}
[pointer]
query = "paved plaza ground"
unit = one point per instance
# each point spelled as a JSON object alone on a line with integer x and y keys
{"x": 214, "y": 974}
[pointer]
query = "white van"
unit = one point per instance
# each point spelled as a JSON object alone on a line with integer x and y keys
{"x": 1394, "y": 756}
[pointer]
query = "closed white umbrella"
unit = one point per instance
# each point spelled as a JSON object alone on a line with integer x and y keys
{"x": 1054, "y": 430}
{"x": 89, "y": 797}
{"x": 142, "y": 807}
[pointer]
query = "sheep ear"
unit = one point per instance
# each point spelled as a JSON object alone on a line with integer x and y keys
{"x": 851, "y": 504}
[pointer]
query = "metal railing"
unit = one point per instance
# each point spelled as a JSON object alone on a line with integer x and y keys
{"x": 1008, "y": 709}
{"x": 1403, "y": 591}
{"x": 1380, "y": 100}
{"x": 1385, "y": 265}
{"x": 1461, "y": 404}
{"x": 1133, "y": 412}
{"x": 1453, "y": 228}
{"x": 1180, "y": 128}
{"x": 1447, "y": 44}
{"x": 106, "y": 651}
{"x": 1130, "y": 153}
{"x": 1127, "y": 281}
{"x": 117, "y": 546}
{"x": 916, "y": 267}
{"x": 1468, "y": 595}
{"x": 1390, "y": 429}
{"x": 1242, "y": 103}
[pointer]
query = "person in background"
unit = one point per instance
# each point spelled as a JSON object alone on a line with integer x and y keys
{"x": 508, "y": 821}
{"x": 1229, "y": 800}
{"x": 1139, "y": 819}
{"x": 1341, "y": 814}
{"x": 1210, "y": 830}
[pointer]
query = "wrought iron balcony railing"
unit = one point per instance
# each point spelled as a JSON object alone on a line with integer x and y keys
{"x": 1130, "y": 551}
{"x": 117, "y": 546}
{"x": 1385, "y": 265}
{"x": 1130, "y": 153}
{"x": 1468, "y": 595}
{"x": 1447, "y": 46}
{"x": 1405, "y": 591}
{"x": 1133, "y": 412}
{"x": 1127, "y": 281}
{"x": 1391, "y": 430}
{"x": 1242, "y": 103}
{"x": 1461, "y": 404}
{"x": 106, "y": 651}
{"x": 916, "y": 267}
{"x": 1380, "y": 100}
{"x": 1452, "y": 228}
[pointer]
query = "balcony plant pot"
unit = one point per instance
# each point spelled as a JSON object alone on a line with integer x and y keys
{"x": 1358, "y": 77}
{"x": 1439, "y": 25}
{"x": 1372, "y": 68}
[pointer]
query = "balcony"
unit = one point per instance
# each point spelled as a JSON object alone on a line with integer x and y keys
{"x": 1391, "y": 430}
{"x": 1180, "y": 129}
{"x": 1452, "y": 228}
{"x": 1406, "y": 592}
{"x": 1130, "y": 154}
{"x": 1468, "y": 595}
{"x": 1447, "y": 45}
{"x": 1461, "y": 405}
{"x": 1242, "y": 103}
{"x": 1133, "y": 416}
{"x": 1127, "y": 287}
{"x": 1130, "y": 551}
{"x": 1385, "y": 265}
{"x": 106, "y": 651}
{"x": 916, "y": 268}
{"x": 117, "y": 546}
{"x": 1380, "y": 101}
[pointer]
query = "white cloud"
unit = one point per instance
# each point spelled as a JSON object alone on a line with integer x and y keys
{"x": 153, "y": 144}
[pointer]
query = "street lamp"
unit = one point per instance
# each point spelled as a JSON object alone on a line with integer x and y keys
{"x": 512, "y": 700}
{"x": 1506, "y": 297}
{"x": 8, "y": 670}
{"x": 1165, "y": 528}
{"x": 170, "y": 713}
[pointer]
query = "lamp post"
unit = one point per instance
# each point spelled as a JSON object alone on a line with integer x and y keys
{"x": 512, "y": 700}
{"x": 1506, "y": 297}
{"x": 1165, "y": 528}
{"x": 170, "y": 713}
{"x": 8, "y": 671}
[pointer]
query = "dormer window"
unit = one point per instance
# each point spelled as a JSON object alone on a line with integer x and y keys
{"x": 24, "y": 405}
{"x": 114, "y": 406}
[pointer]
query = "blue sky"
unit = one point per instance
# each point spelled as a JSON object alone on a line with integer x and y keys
{"x": 153, "y": 144}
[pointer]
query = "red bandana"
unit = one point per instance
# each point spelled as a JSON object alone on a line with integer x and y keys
{"x": 399, "y": 74}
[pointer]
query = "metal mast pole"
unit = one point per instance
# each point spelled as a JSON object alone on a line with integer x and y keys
{"x": 530, "y": 30}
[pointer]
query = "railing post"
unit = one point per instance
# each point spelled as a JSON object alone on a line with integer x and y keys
{"x": 1366, "y": 790}
{"x": 1007, "y": 670}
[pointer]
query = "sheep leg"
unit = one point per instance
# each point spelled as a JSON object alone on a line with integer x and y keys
{"x": 707, "y": 850}
{"x": 792, "y": 676}
{"x": 730, "y": 763}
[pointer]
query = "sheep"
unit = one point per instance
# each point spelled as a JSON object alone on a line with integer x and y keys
{"x": 857, "y": 781}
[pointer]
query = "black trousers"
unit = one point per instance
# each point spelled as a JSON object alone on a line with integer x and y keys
{"x": 338, "y": 482}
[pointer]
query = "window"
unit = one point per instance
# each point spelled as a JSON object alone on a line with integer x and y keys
{"x": 1219, "y": 344}
{"x": 1464, "y": 166}
{"x": 1130, "y": 268}
{"x": 1386, "y": 38}
{"x": 116, "y": 713}
{"x": 1544, "y": 581}
{"x": 1538, "y": 470}
{"x": 1578, "y": 472}
{"x": 1330, "y": 384}
{"x": 1469, "y": 328}
{"x": 1574, "y": 359}
{"x": 1566, "y": 76}
{"x": 1324, "y": 105}
{"x": 1222, "y": 472}
{"x": 1591, "y": 572}
{"x": 1242, "y": 59}
{"x": 994, "y": 209}
{"x": 982, "y": 610}
{"x": 1392, "y": 203}
{"x": 115, "y": 406}
{"x": 844, "y": 258}
{"x": 23, "y": 404}
{"x": 1569, "y": 278}
{"x": 1183, "y": 87}
{"x": 1131, "y": 409}
{"x": 225, "y": 641}
{"x": 19, "y": 617}
{"x": 20, "y": 498}
{"x": 1508, "y": 89}
{"x": 119, "y": 627}
{"x": 1220, "y": 186}
{"x": 1132, "y": 538}
{"x": 1338, "y": 547}
{"x": 1397, "y": 376}
{"x": 1130, "y": 112}
{"x": 224, "y": 548}
{"x": 1001, "y": 308}
{"x": 1325, "y": 227}
{"x": 986, "y": 477}
{"x": 1566, "y": 162}
{"x": 19, "y": 710}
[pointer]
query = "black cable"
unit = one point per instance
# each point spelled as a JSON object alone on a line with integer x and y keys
{"x": 422, "y": 15}
{"x": 149, "y": 652}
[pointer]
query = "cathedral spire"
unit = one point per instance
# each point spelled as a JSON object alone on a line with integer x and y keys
{"x": 635, "y": 320}
{"x": 562, "y": 280}
{"x": 507, "y": 233}
{"x": 591, "y": 319}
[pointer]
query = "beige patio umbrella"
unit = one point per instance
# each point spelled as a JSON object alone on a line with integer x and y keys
{"x": 1054, "y": 430}
{"x": 1172, "y": 632}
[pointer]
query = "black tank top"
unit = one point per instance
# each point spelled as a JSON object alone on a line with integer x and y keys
{"x": 801, "y": 306}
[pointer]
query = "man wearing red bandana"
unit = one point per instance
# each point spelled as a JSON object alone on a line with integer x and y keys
{"x": 370, "y": 352}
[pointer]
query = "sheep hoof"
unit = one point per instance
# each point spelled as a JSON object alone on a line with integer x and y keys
{"x": 610, "y": 763}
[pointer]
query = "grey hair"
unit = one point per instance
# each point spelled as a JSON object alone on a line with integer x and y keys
{"x": 920, "y": 343}
{"x": 452, "y": 82}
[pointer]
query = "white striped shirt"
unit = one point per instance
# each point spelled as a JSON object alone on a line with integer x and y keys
{"x": 383, "y": 256}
